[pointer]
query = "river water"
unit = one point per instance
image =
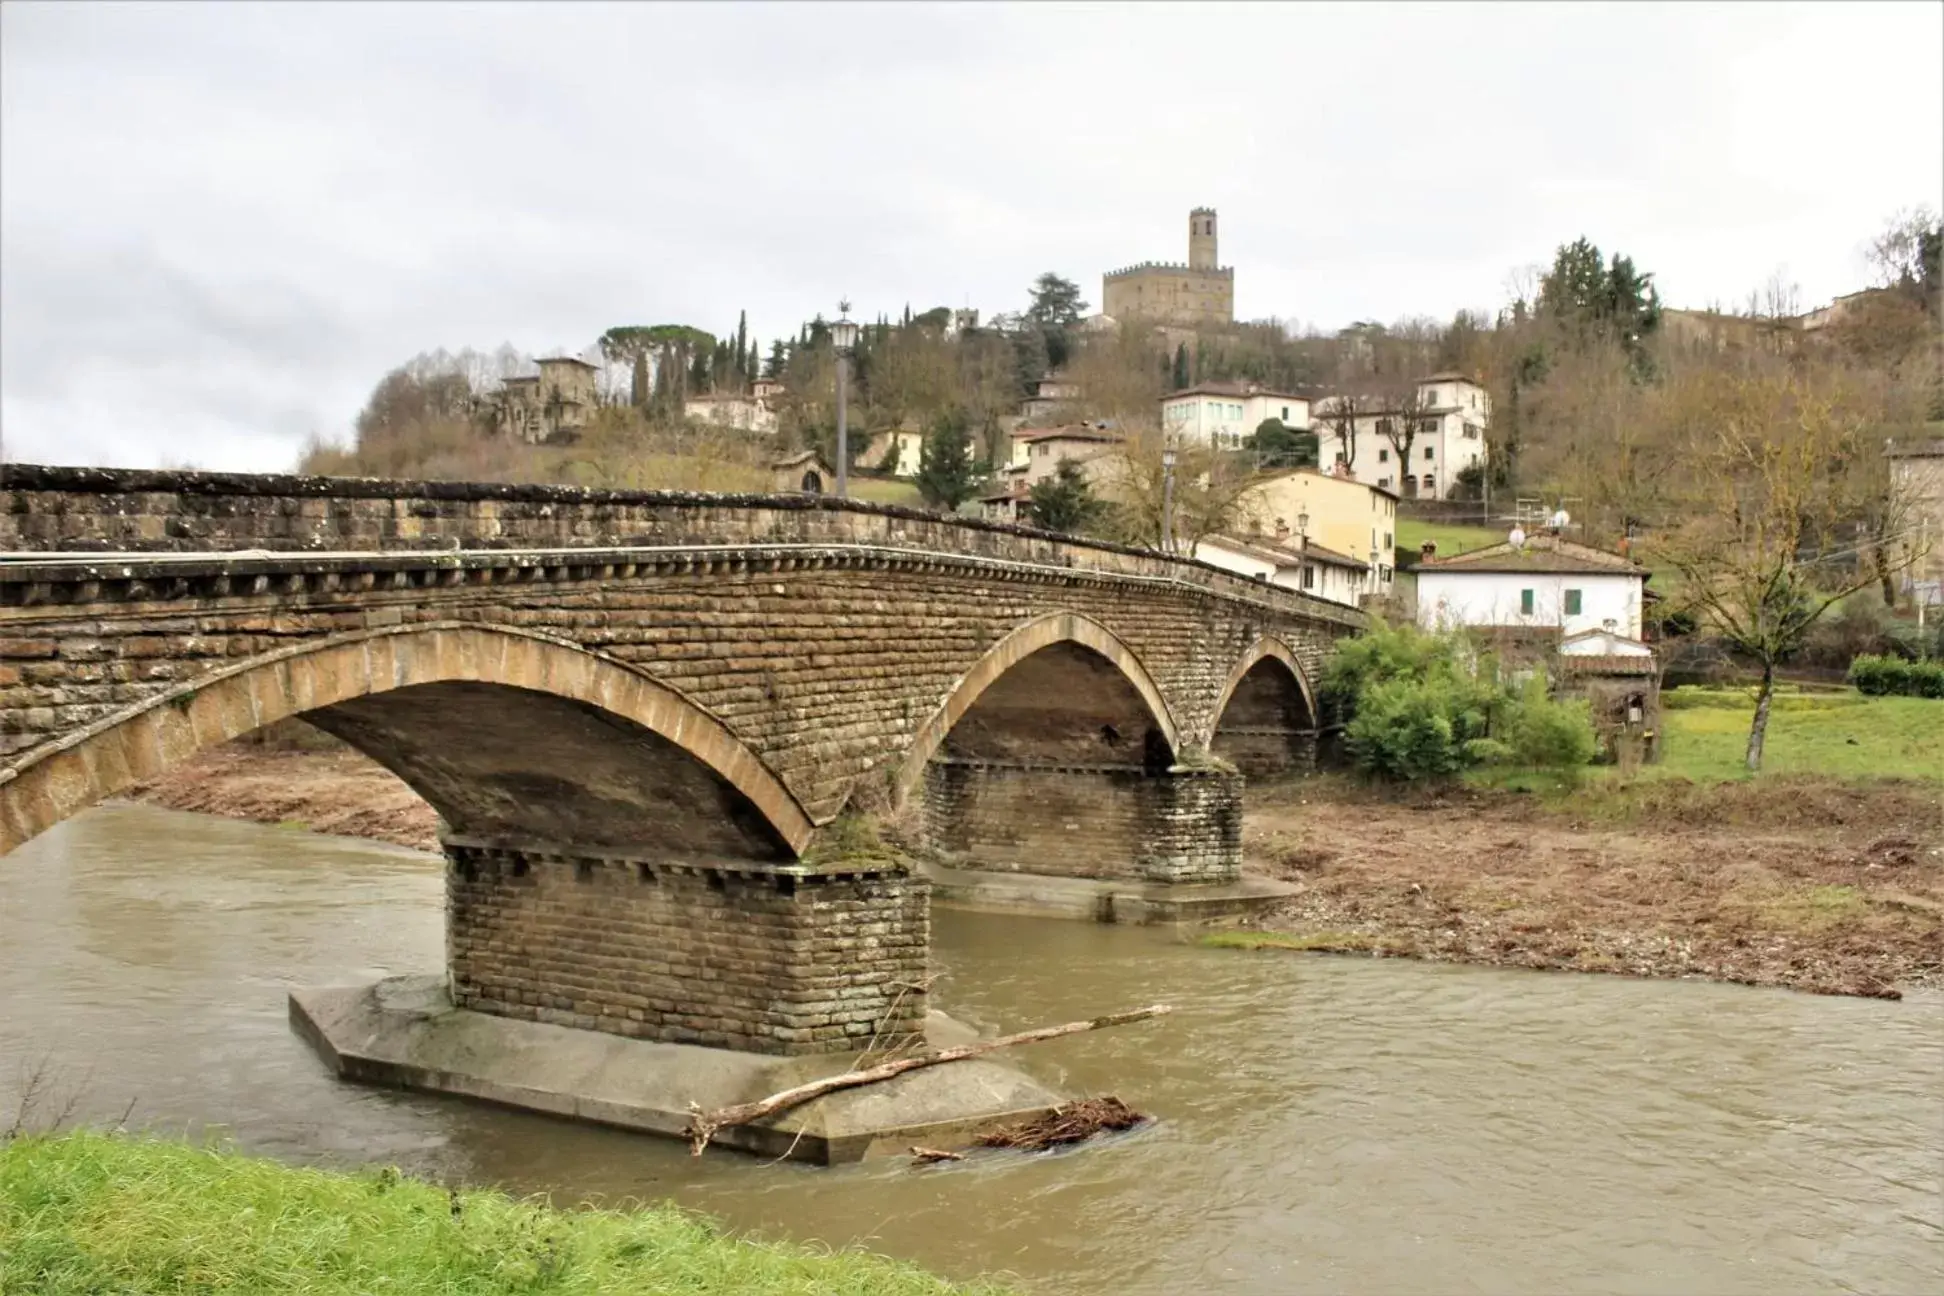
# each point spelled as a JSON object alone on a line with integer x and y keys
{"x": 1328, "y": 1124}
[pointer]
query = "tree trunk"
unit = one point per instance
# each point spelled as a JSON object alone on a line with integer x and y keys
{"x": 1758, "y": 731}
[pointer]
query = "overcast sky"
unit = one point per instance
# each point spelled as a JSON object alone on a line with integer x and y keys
{"x": 221, "y": 223}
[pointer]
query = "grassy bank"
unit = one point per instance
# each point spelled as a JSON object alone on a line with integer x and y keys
{"x": 85, "y": 1212}
{"x": 1838, "y": 735}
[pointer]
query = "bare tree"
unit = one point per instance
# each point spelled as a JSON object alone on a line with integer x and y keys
{"x": 1776, "y": 475}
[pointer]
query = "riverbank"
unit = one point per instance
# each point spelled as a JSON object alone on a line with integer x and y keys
{"x": 1809, "y": 883}
{"x": 1789, "y": 880}
{"x": 88, "y": 1212}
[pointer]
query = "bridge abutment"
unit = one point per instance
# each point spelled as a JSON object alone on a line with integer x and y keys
{"x": 1181, "y": 825}
{"x": 786, "y": 959}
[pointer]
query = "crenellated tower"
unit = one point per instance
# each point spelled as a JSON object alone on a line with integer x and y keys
{"x": 1201, "y": 239}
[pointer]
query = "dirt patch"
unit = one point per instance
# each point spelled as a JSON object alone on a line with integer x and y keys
{"x": 335, "y": 791}
{"x": 1816, "y": 885}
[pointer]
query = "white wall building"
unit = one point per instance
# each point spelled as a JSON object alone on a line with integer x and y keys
{"x": 1453, "y": 416}
{"x": 1286, "y": 561}
{"x": 1226, "y": 415}
{"x": 1540, "y": 583}
{"x": 745, "y": 413}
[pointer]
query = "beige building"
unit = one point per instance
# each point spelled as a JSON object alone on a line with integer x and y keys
{"x": 728, "y": 409}
{"x": 1336, "y": 513}
{"x": 899, "y": 452}
{"x": 1051, "y": 395}
{"x": 1917, "y": 474}
{"x": 1189, "y": 296}
{"x": 553, "y": 405}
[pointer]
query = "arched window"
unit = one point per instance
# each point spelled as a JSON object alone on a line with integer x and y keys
{"x": 812, "y": 483}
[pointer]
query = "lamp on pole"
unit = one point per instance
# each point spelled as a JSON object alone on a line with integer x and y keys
{"x": 1302, "y": 529}
{"x": 843, "y": 336}
{"x": 1167, "y": 500}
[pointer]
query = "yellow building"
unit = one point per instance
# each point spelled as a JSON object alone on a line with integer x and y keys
{"x": 1189, "y": 296}
{"x": 1339, "y": 513}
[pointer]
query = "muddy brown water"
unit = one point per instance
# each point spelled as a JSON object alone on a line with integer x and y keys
{"x": 1328, "y": 1124}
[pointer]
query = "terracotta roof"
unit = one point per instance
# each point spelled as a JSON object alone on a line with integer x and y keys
{"x": 1540, "y": 553}
{"x": 1287, "y": 555}
{"x": 1071, "y": 432}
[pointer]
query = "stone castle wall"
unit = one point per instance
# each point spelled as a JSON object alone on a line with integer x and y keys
{"x": 1170, "y": 294}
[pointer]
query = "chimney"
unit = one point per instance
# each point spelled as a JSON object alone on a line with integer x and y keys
{"x": 1282, "y": 528}
{"x": 1429, "y": 549}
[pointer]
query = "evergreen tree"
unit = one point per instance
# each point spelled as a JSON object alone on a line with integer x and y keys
{"x": 1031, "y": 358}
{"x": 1181, "y": 379}
{"x": 640, "y": 390}
{"x": 1056, "y": 302}
{"x": 1065, "y": 501}
{"x": 742, "y": 347}
{"x": 779, "y": 359}
{"x": 945, "y": 478}
{"x": 1279, "y": 446}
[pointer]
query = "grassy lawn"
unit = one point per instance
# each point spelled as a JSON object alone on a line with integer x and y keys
{"x": 1840, "y": 735}
{"x": 1413, "y": 532}
{"x": 886, "y": 490}
{"x": 87, "y": 1212}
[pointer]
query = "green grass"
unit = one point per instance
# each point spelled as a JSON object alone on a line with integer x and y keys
{"x": 1413, "y": 532}
{"x": 1839, "y": 735}
{"x": 87, "y": 1212}
{"x": 886, "y": 490}
{"x": 1815, "y": 908}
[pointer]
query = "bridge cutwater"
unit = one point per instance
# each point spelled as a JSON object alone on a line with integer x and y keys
{"x": 653, "y": 722}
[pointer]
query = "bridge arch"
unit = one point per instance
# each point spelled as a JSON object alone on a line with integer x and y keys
{"x": 1053, "y": 632}
{"x": 1266, "y": 717}
{"x": 479, "y": 696}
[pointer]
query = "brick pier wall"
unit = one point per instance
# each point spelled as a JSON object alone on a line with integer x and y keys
{"x": 1093, "y": 822}
{"x": 748, "y": 957}
{"x": 1262, "y": 753}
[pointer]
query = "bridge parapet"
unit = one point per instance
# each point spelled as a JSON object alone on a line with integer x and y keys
{"x": 337, "y": 524}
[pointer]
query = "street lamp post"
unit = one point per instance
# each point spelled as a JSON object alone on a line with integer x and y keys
{"x": 843, "y": 335}
{"x": 1167, "y": 500}
{"x": 1302, "y": 529}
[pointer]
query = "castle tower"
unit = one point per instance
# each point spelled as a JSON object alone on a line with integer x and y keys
{"x": 1201, "y": 239}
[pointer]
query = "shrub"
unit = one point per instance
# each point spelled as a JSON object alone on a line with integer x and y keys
{"x": 1893, "y": 676}
{"x": 1403, "y": 730}
{"x": 1549, "y": 733}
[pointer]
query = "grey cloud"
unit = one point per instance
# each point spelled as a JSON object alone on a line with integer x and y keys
{"x": 220, "y": 224}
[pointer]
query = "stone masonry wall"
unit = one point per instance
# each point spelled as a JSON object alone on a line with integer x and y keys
{"x": 1079, "y": 822}
{"x": 747, "y": 959}
{"x": 1267, "y": 752}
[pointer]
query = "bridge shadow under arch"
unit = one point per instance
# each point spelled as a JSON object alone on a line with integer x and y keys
{"x": 1266, "y": 718}
{"x": 510, "y": 735}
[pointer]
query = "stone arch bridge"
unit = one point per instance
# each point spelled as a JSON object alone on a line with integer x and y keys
{"x": 644, "y": 718}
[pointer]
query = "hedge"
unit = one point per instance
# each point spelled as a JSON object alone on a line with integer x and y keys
{"x": 1887, "y": 676}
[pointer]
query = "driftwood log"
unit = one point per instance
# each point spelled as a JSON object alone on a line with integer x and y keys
{"x": 702, "y": 1125}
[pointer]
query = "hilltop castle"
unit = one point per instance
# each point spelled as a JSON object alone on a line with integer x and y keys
{"x": 1187, "y": 296}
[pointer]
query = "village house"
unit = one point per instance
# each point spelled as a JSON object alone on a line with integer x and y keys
{"x": 767, "y": 390}
{"x": 1225, "y": 415}
{"x": 1452, "y": 414}
{"x": 1573, "y": 609}
{"x": 731, "y": 410}
{"x": 1917, "y": 475}
{"x": 1338, "y": 514}
{"x": 1051, "y": 395}
{"x": 898, "y": 451}
{"x": 1291, "y": 562}
{"x": 1037, "y": 454}
{"x": 548, "y": 407}
{"x": 1541, "y": 582}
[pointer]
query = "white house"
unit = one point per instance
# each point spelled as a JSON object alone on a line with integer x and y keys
{"x": 1290, "y": 563}
{"x": 1452, "y": 414}
{"x": 1225, "y": 415}
{"x": 910, "y": 449}
{"x": 746, "y": 413}
{"x": 1536, "y": 583}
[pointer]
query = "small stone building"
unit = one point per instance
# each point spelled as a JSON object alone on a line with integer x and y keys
{"x": 804, "y": 473}
{"x": 1620, "y": 680}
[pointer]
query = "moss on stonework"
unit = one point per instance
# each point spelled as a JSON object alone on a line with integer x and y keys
{"x": 856, "y": 840}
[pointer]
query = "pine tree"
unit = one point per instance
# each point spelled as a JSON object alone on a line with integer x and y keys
{"x": 945, "y": 477}
{"x": 1065, "y": 501}
{"x": 639, "y": 388}
{"x": 1181, "y": 380}
{"x": 742, "y": 347}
